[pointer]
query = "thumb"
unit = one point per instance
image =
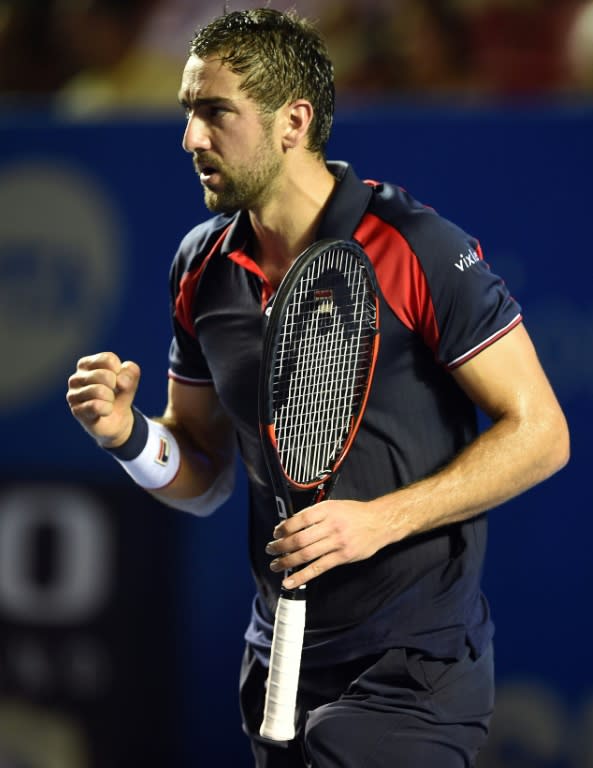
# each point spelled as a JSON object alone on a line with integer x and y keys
{"x": 127, "y": 380}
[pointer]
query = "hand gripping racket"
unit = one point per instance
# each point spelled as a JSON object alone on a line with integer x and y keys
{"x": 319, "y": 354}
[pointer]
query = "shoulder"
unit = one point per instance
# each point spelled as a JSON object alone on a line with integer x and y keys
{"x": 429, "y": 235}
{"x": 197, "y": 244}
{"x": 410, "y": 243}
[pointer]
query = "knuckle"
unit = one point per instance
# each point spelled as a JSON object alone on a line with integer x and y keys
{"x": 108, "y": 380}
{"x": 290, "y": 561}
{"x": 305, "y": 517}
{"x": 111, "y": 361}
{"x": 78, "y": 411}
{"x": 100, "y": 360}
{"x": 300, "y": 540}
{"x": 100, "y": 392}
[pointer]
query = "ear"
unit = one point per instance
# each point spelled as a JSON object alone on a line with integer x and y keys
{"x": 298, "y": 116}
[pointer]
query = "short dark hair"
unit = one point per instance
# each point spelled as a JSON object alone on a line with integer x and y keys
{"x": 281, "y": 57}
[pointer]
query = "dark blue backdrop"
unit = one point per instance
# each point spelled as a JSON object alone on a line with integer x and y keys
{"x": 90, "y": 216}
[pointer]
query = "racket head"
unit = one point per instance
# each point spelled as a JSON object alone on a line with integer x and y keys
{"x": 319, "y": 356}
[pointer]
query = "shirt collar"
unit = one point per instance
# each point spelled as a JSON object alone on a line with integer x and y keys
{"x": 346, "y": 206}
{"x": 341, "y": 217}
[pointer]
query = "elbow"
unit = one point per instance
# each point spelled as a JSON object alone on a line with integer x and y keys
{"x": 558, "y": 444}
{"x": 564, "y": 457}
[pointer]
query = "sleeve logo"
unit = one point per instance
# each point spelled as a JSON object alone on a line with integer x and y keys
{"x": 467, "y": 260}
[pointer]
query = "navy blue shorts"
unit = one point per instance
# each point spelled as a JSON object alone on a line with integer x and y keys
{"x": 400, "y": 709}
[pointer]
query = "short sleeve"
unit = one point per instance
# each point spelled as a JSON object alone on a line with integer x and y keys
{"x": 186, "y": 359}
{"x": 472, "y": 305}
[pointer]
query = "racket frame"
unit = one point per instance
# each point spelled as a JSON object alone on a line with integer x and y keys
{"x": 289, "y": 624}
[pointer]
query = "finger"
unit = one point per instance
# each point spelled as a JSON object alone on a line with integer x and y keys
{"x": 311, "y": 571}
{"x": 295, "y": 541}
{"x": 297, "y": 558}
{"x": 108, "y": 360}
{"x": 86, "y": 378}
{"x": 303, "y": 519}
{"x": 99, "y": 392}
{"x": 128, "y": 377}
{"x": 91, "y": 410}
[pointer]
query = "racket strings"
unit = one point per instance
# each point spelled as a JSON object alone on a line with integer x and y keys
{"x": 320, "y": 379}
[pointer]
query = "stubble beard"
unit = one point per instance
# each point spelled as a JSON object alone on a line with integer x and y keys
{"x": 248, "y": 187}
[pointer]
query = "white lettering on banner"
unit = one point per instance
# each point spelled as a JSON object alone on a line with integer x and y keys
{"x": 61, "y": 243}
{"x": 79, "y": 579}
{"x": 80, "y": 669}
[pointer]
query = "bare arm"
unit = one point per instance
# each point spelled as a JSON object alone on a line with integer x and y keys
{"x": 101, "y": 393}
{"x": 527, "y": 442}
{"x": 205, "y": 435}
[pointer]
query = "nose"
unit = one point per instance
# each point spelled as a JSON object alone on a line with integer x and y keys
{"x": 195, "y": 135}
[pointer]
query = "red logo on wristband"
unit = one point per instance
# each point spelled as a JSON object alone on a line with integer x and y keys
{"x": 164, "y": 452}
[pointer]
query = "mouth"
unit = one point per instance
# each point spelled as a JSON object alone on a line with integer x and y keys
{"x": 207, "y": 172}
{"x": 209, "y": 179}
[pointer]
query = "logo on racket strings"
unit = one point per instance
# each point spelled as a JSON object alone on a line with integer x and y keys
{"x": 324, "y": 300}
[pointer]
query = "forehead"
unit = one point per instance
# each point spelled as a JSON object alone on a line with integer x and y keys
{"x": 208, "y": 79}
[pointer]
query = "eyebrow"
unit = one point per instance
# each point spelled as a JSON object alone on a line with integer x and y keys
{"x": 195, "y": 103}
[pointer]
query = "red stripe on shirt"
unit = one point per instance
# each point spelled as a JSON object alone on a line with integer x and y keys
{"x": 187, "y": 289}
{"x": 400, "y": 276}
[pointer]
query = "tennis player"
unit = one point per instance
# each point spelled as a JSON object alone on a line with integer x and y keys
{"x": 397, "y": 665}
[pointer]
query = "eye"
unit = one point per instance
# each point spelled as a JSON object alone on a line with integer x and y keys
{"x": 216, "y": 111}
{"x": 209, "y": 113}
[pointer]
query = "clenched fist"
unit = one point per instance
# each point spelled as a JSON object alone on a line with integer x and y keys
{"x": 100, "y": 395}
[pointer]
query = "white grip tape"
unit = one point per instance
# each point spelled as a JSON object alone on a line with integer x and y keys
{"x": 158, "y": 463}
{"x": 283, "y": 677}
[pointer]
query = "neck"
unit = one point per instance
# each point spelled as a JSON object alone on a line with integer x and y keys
{"x": 288, "y": 223}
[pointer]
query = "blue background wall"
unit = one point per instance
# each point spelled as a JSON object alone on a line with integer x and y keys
{"x": 90, "y": 216}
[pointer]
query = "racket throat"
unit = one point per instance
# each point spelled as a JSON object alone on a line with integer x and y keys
{"x": 320, "y": 493}
{"x": 281, "y": 507}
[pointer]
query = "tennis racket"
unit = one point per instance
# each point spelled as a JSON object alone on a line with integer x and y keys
{"x": 320, "y": 348}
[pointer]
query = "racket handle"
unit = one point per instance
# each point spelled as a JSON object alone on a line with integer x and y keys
{"x": 285, "y": 662}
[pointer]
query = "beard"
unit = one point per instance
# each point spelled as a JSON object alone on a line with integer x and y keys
{"x": 246, "y": 187}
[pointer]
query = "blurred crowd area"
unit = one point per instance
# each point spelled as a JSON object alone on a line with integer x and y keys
{"x": 90, "y": 56}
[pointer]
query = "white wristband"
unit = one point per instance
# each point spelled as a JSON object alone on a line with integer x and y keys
{"x": 151, "y": 454}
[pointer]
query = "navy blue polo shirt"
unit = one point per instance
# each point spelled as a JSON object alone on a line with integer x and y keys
{"x": 440, "y": 304}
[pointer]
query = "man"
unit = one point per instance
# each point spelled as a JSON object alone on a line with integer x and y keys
{"x": 397, "y": 660}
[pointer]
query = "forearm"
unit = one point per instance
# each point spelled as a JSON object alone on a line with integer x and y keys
{"x": 527, "y": 442}
{"x": 185, "y": 455}
{"x": 199, "y": 490}
{"x": 199, "y": 466}
{"x": 506, "y": 460}
{"x": 163, "y": 460}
